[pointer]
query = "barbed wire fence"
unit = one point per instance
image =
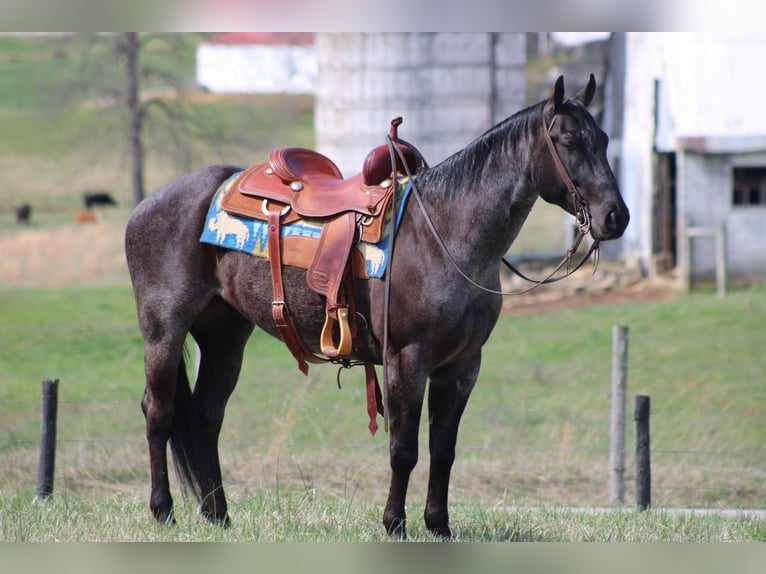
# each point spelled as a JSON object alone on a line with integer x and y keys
{"x": 717, "y": 471}
{"x": 756, "y": 459}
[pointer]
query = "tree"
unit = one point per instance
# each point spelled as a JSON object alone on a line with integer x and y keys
{"x": 145, "y": 93}
{"x": 130, "y": 48}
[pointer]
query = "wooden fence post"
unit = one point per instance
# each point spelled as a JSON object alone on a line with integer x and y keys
{"x": 617, "y": 419}
{"x": 643, "y": 458}
{"x": 47, "y": 459}
{"x": 719, "y": 235}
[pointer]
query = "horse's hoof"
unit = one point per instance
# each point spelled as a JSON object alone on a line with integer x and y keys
{"x": 222, "y": 521}
{"x": 165, "y": 518}
{"x": 442, "y": 532}
{"x": 396, "y": 528}
{"x": 437, "y": 523}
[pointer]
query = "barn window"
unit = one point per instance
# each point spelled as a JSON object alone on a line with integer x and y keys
{"x": 749, "y": 186}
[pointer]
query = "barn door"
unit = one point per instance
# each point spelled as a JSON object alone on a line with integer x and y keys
{"x": 664, "y": 241}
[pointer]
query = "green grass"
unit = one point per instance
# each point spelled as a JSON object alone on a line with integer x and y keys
{"x": 62, "y": 134}
{"x": 85, "y": 65}
{"x": 535, "y": 432}
{"x": 297, "y": 516}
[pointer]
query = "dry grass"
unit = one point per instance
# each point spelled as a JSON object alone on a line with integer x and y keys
{"x": 67, "y": 255}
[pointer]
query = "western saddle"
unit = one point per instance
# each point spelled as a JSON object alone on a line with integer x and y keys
{"x": 298, "y": 183}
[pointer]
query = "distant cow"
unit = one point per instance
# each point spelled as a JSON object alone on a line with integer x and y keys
{"x": 84, "y": 216}
{"x": 91, "y": 198}
{"x": 23, "y": 213}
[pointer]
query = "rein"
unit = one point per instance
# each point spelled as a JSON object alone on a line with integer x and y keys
{"x": 582, "y": 215}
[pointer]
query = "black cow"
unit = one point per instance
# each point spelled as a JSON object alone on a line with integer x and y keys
{"x": 91, "y": 198}
{"x": 23, "y": 213}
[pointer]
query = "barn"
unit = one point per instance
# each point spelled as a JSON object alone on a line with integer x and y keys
{"x": 690, "y": 144}
{"x": 258, "y": 62}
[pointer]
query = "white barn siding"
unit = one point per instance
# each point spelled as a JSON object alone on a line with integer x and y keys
{"x": 706, "y": 112}
{"x": 635, "y": 162}
{"x": 266, "y": 69}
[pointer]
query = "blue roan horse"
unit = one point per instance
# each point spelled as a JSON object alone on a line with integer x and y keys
{"x": 477, "y": 201}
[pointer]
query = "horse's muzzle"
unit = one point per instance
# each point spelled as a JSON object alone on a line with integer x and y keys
{"x": 612, "y": 224}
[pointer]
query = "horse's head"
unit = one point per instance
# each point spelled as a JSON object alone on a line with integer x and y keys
{"x": 576, "y": 151}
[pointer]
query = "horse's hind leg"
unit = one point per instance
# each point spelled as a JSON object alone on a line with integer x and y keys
{"x": 162, "y": 361}
{"x": 221, "y": 334}
{"x": 448, "y": 394}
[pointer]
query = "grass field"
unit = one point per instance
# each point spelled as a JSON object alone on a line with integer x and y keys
{"x": 535, "y": 433}
{"x": 298, "y": 461}
{"x": 63, "y": 127}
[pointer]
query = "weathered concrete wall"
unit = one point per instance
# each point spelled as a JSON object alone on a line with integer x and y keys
{"x": 448, "y": 87}
{"x": 706, "y": 198}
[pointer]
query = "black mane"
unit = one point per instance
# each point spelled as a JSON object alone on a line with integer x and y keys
{"x": 494, "y": 149}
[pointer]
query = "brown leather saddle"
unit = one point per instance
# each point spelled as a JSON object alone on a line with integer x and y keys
{"x": 297, "y": 183}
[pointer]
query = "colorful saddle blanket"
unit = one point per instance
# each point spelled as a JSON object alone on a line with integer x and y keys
{"x": 251, "y": 235}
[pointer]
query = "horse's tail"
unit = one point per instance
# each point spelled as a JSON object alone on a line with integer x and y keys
{"x": 186, "y": 442}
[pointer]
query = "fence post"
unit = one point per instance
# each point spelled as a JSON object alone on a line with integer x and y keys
{"x": 643, "y": 458}
{"x": 617, "y": 419}
{"x": 47, "y": 459}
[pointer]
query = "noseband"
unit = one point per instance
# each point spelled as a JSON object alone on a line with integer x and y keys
{"x": 582, "y": 215}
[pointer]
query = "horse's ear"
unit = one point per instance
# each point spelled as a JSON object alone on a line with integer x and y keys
{"x": 586, "y": 94}
{"x": 553, "y": 104}
{"x": 557, "y": 97}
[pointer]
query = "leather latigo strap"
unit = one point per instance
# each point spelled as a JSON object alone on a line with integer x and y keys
{"x": 374, "y": 397}
{"x": 279, "y": 311}
{"x": 289, "y": 333}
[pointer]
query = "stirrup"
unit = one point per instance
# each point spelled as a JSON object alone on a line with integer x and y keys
{"x": 327, "y": 341}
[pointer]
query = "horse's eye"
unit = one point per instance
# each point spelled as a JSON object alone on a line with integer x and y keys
{"x": 570, "y": 141}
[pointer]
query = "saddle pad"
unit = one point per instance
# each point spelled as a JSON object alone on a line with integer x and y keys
{"x": 251, "y": 235}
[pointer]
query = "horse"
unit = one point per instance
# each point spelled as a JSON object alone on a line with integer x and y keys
{"x": 468, "y": 211}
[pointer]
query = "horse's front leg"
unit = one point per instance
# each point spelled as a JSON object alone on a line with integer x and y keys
{"x": 447, "y": 397}
{"x": 406, "y": 382}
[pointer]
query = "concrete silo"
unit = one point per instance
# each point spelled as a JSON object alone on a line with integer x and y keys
{"x": 448, "y": 87}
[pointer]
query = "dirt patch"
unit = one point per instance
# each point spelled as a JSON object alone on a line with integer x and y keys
{"x": 614, "y": 282}
{"x": 644, "y": 291}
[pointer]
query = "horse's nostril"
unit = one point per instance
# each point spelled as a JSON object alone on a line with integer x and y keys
{"x": 611, "y": 220}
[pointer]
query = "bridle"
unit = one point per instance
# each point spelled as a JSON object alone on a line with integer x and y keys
{"x": 582, "y": 216}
